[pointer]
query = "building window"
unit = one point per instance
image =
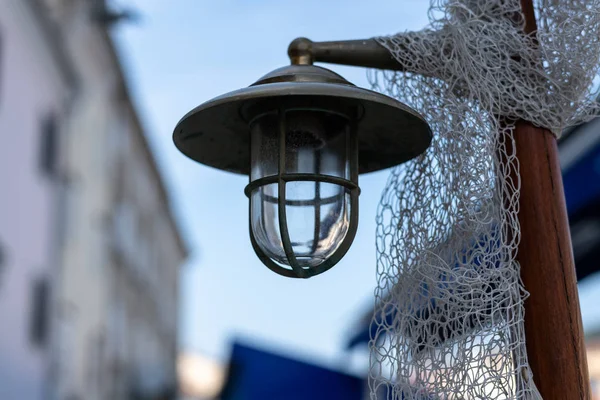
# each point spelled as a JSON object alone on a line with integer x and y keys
{"x": 40, "y": 297}
{"x": 49, "y": 145}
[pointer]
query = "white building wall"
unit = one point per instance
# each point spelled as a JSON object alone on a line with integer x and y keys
{"x": 112, "y": 267}
{"x": 147, "y": 259}
{"x": 32, "y": 88}
{"x": 81, "y": 317}
{"x": 111, "y": 338}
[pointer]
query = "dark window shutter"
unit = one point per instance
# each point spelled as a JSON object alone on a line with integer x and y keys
{"x": 40, "y": 308}
{"x": 49, "y": 145}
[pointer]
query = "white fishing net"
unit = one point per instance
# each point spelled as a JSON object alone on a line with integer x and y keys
{"x": 449, "y": 320}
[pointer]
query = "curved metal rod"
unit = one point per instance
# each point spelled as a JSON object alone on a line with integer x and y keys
{"x": 299, "y": 177}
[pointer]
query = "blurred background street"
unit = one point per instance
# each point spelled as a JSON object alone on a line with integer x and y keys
{"x": 126, "y": 271}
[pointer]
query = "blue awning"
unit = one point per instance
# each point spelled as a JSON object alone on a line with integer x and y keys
{"x": 582, "y": 181}
{"x": 258, "y": 375}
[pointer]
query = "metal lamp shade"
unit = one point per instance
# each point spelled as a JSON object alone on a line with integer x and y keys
{"x": 302, "y": 133}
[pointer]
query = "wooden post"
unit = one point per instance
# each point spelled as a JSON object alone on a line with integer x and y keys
{"x": 553, "y": 327}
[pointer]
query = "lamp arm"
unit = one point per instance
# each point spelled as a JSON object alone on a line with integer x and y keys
{"x": 366, "y": 53}
{"x": 369, "y": 53}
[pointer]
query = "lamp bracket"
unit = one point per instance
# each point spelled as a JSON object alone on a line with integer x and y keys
{"x": 366, "y": 53}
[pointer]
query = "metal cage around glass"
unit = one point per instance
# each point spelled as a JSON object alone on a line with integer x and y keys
{"x": 303, "y": 188}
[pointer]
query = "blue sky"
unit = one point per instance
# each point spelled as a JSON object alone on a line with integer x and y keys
{"x": 185, "y": 52}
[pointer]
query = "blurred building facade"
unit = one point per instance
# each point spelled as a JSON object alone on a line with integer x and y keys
{"x": 36, "y": 88}
{"x": 89, "y": 281}
{"x": 118, "y": 303}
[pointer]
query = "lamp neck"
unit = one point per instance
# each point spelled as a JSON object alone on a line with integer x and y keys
{"x": 300, "y": 51}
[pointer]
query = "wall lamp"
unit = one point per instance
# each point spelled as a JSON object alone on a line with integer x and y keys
{"x": 303, "y": 134}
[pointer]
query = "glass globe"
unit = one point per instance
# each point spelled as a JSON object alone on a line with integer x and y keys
{"x": 317, "y": 213}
